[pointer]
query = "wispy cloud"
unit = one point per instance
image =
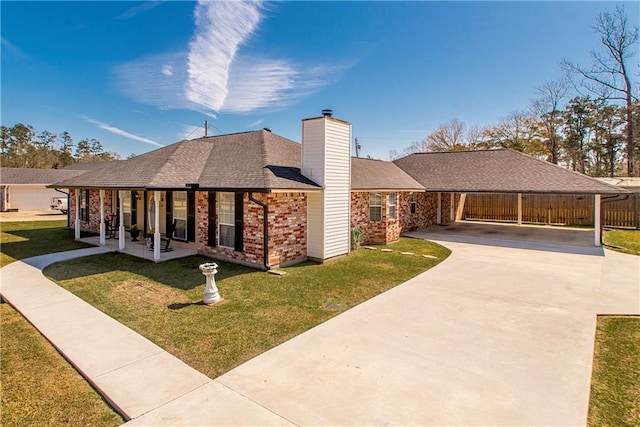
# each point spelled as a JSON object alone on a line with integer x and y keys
{"x": 118, "y": 131}
{"x": 141, "y": 8}
{"x": 214, "y": 76}
{"x": 221, "y": 27}
{"x": 7, "y": 46}
{"x": 255, "y": 124}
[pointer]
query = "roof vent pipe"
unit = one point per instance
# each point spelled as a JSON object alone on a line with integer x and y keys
{"x": 327, "y": 113}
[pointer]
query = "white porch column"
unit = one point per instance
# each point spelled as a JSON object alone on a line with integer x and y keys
{"x": 77, "y": 224}
{"x": 452, "y": 208}
{"x": 121, "y": 236}
{"x": 597, "y": 222}
{"x": 439, "y": 211}
{"x": 103, "y": 228}
{"x": 156, "y": 235}
{"x": 519, "y": 208}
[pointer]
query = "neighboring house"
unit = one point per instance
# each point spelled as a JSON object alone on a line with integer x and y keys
{"x": 26, "y": 189}
{"x": 262, "y": 200}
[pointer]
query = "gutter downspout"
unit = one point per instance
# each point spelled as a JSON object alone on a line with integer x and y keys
{"x": 68, "y": 210}
{"x": 265, "y": 231}
{"x": 609, "y": 200}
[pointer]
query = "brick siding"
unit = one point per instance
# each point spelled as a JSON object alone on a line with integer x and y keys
{"x": 287, "y": 229}
{"x": 93, "y": 226}
{"x": 388, "y": 229}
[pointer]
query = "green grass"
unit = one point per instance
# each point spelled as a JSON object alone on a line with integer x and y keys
{"x": 627, "y": 241}
{"x": 20, "y": 240}
{"x": 615, "y": 382}
{"x": 39, "y": 387}
{"x": 160, "y": 301}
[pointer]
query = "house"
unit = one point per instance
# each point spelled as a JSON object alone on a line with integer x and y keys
{"x": 262, "y": 200}
{"x": 26, "y": 189}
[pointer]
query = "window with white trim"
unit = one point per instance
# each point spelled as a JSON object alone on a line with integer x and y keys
{"x": 126, "y": 208}
{"x": 414, "y": 203}
{"x": 84, "y": 205}
{"x": 375, "y": 206}
{"x": 226, "y": 219}
{"x": 393, "y": 211}
{"x": 179, "y": 200}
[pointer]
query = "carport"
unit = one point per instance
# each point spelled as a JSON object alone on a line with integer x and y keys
{"x": 502, "y": 171}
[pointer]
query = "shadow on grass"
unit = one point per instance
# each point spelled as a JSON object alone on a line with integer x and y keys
{"x": 183, "y": 273}
{"x": 21, "y": 240}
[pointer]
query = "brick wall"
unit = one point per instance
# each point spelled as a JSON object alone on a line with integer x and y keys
{"x": 388, "y": 229}
{"x": 384, "y": 231}
{"x": 287, "y": 229}
{"x": 93, "y": 225}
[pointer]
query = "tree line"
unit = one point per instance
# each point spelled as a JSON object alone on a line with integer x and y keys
{"x": 588, "y": 121}
{"x": 22, "y": 147}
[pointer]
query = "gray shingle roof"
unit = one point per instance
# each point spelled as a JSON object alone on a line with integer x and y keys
{"x": 87, "y": 166}
{"x": 367, "y": 174}
{"x": 497, "y": 171}
{"x": 257, "y": 160}
{"x": 36, "y": 176}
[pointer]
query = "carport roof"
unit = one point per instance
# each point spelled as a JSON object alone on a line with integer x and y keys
{"x": 32, "y": 176}
{"x": 497, "y": 171}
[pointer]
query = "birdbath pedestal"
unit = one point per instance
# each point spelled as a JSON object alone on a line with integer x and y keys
{"x": 211, "y": 295}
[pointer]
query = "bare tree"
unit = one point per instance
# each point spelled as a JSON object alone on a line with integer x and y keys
{"x": 548, "y": 110}
{"x": 609, "y": 76}
{"x": 453, "y": 135}
{"x": 518, "y": 131}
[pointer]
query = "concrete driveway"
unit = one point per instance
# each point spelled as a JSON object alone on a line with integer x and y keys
{"x": 492, "y": 336}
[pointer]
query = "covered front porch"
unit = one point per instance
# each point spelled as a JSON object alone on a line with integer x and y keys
{"x": 140, "y": 249}
{"x": 161, "y": 223}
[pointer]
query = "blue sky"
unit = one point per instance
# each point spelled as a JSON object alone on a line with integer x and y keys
{"x": 139, "y": 75}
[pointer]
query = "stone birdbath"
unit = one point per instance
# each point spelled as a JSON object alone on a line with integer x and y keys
{"x": 211, "y": 294}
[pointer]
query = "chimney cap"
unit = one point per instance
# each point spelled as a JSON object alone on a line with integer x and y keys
{"x": 327, "y": 112}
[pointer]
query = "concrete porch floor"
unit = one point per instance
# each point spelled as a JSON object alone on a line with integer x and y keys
{"x": 139, "y": 249}
{"x": 536, "y": 237}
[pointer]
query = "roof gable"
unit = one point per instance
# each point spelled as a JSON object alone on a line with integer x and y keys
{"x": 369, "y": 174}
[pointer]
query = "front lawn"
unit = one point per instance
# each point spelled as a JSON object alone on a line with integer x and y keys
{"x": 39, "y": 387}
{"x": 615, "y": 382}
{"x": 20, "y": 240}
{"x": 160, "y": 301}
{"x": 627, "y": 241}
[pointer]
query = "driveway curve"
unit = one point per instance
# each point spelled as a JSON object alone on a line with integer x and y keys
{"x": 491, "y": 336}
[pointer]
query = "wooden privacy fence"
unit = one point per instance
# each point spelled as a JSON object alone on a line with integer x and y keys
{"x": 553, "y": 209}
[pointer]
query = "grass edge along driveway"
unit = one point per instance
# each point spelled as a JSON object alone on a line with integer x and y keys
{"x": 161, "y": 301}
{"x": 615, "y": 382}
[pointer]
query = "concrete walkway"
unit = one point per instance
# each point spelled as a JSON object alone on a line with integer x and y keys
{"x": 492, "y": 336}
{"x": 133, "y": 374}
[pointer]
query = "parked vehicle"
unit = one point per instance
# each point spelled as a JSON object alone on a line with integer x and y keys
{"x": 60, "y": 203}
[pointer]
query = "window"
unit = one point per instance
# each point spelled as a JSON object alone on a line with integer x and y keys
{"x": 152, "y": 214}
{"x": 180, "y": 214}
{"x": 414, "y": 203}
{"x": 226, "y": 219}
{"x": 84, "y": 205}
{"x": 375, "y": 207}
{"x": 126, "y": 208}
{"x": 393, "y": 211}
